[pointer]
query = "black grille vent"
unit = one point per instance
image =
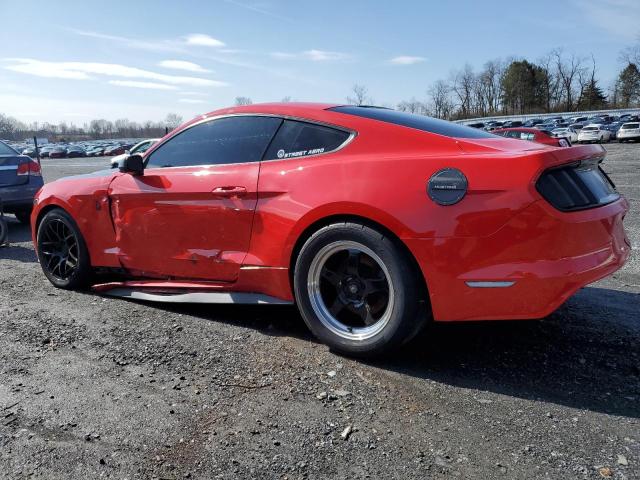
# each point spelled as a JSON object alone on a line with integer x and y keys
{"x": 577, "y": 187}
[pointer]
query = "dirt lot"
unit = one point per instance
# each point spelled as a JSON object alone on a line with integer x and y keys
{"x": 96, "y": 387}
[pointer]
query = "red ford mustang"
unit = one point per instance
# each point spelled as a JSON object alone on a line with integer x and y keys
{"x": 371, "y": 220}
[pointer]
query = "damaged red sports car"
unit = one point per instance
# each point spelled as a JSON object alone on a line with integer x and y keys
{"x": 371, "y": 220}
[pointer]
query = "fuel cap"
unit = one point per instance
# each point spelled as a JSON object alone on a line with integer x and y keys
{"x": 447, "y": 186}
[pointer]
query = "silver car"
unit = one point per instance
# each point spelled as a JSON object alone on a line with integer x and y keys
{"x": 594, "y": 133}
{"x": 629, "y": 132}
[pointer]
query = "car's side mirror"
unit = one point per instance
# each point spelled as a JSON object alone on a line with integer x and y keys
{"x": 133, "y": 164}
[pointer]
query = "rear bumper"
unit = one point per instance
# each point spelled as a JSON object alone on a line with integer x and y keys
{"x": 528, "y": 268}
{"x": 20, "y": 197}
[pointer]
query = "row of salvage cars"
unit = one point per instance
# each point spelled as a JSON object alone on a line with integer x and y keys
{"x": 566, "y": 136}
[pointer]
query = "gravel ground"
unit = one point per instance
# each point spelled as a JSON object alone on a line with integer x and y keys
{"x": 95, "y": 387}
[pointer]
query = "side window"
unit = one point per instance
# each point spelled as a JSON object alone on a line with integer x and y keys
{"x": 142, "y": 148}
{"x": 299, "y": 139}
{"x": 238, "y": 139}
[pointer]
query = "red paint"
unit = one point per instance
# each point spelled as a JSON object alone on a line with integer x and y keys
{"x": 176, "y": 225}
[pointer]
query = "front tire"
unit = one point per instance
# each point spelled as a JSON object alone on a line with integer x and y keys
{"x": 62, "y": 251}
{"x": 357, "y": 290}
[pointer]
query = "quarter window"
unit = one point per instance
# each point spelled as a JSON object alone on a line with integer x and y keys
{"x": 299, "y": 139}
{"x": 226, "y": 140}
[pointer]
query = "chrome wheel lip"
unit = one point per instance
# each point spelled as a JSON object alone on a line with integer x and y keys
{"x": 319, "y": 306}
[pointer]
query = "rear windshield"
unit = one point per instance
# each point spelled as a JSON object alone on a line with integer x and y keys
{"x": 629, "y": 126}
{"x": 6, "y": 149}
{"x": 419, "y": 122}
{"x": 587, "y": 129}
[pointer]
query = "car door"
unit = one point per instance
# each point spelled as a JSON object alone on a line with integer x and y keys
{"x": 190, "y": 214}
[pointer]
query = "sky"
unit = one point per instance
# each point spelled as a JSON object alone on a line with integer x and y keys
{"x": 73, "y": 61}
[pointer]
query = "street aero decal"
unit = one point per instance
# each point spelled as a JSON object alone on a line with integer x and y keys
{"x": 299, "y": 153}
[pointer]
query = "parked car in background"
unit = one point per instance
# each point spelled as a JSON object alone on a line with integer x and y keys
{"x": 138, "y": 148}
{"x": 512, "y": 124}
{"x": 75, "y": 151}
{"x": 533, "y": 135}
{"x": 629, "y": 132}
{"x": 577, "y": 119}
{"x": 569, "y": 133}
{"x": 58, "y": 152}
{"x": 44, "y": 151}
{"x": 30, "y": 152}
{"x": 594, "y": 133}
{"x": 533, "y": 122}
{"x": 20, "y": 179}
{"x": 115, "y": 150}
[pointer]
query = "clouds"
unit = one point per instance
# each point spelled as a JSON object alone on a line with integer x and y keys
{"x": 313, "y": 55}
{"x": 620, "y": 18}
{"x": 145, "y": 85}
{"x": 93, "y": 70}
{"x": 183, "y": 65}
{"x": 407, "y": 60}
{"x": 203, "y": 40}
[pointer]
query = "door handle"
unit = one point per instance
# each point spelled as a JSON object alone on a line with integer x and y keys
{"x": 230, "y": 191}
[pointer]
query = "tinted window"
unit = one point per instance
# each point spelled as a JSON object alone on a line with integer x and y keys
{"x": 299, "y": 139}
{"x": 411, "y": 120}
{"x": 226, "y": 140}
{"x": 6, "y": 150}
{"x": 630, "y": 126}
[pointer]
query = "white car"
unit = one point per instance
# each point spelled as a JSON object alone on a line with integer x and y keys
{"x": 139, "y": 148}
{"x": 594, "y": 133}
{"x": 629, "y": 131}
{"x": 566, "y": 132}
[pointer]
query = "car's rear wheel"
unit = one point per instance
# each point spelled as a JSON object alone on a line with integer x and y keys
{"x": 4, "y": 231}
{"x": 62, "y": 251}
{"x": 357, "y": 290}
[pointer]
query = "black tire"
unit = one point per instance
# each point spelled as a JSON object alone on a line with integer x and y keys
{"x": 4, "y": 231}
{"x": 55, "y": 229}
{"x": 23, "y": 216}
{"x": 404, "y": 313}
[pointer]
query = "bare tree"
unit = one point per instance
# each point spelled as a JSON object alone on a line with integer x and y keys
{"x": 570, "y": 72}
{"x": 243, "y": 101}
{"x": 631, "y": 55}
{"x": 463, "y": 86}
{"x": 172, "y": 120}
{"x": 286, "y": 99}
{"x": 360, "y": 96}
{"x": 412, "y": 106}
{"x": 441, "y": 104}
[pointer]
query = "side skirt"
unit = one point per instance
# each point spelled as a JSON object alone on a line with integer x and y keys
{"x": 187, "y": 296}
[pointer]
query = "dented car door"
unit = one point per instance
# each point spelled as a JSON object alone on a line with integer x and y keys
{"x": 190, "y": 215}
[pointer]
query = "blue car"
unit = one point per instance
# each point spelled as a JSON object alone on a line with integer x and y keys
{"x": 20, "y": 179}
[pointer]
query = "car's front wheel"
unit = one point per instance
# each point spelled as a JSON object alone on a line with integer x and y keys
{"x": 357, "y": 290}
{"x": 62, "y": 251}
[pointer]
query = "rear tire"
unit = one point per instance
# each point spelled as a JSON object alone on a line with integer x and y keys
{"x": 4, "y": 231}
{"x": 357, "y": 290}
{"x": 62, "y": 251}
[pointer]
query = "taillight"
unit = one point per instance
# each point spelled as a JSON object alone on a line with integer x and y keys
{"x": 34, "y": 169}
{"x": 29, "y": 168}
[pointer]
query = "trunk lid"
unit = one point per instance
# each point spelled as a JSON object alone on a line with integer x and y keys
{"x": 9, "y": 165}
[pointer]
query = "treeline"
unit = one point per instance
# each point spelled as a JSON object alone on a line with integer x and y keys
{"x": 558, "y": 82}
{"x": 13, "y": 129}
